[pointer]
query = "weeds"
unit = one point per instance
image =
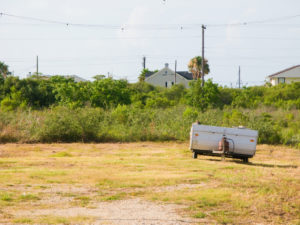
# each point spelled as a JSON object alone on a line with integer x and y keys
{"x": 200, "y": 215}
{"x": 82, "y": 200}
{"x": 130, "y": 124}
{"x": 6, "y": 197}
{"x": 62, "y": 154}
{"x": 28, "y": 197}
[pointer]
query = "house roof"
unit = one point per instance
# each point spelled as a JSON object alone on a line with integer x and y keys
{"x": 76, "y": 78}
{"x": 290, "y": 68}
{"x": 185, "y": 74}
{"x": 148, "y": 74}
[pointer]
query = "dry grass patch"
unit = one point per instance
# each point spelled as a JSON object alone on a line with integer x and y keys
{"x": 41, "y": 176}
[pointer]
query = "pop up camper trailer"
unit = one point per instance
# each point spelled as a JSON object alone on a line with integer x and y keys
{"x": 222, "y": 141}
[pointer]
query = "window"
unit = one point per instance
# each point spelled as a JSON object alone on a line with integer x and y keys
{"x": 281, "y": 80}
{"x": 166, "y": 84}
{"x": 172, "y": 83}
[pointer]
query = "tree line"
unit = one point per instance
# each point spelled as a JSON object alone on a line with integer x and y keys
{"x": 58, "y": 109}
{"x": 38, "y": 93}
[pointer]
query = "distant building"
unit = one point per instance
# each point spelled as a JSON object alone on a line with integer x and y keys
{"x": 166, "y": 77}
{"x": 75, "y": 77}
{"x": 288, "y": 76}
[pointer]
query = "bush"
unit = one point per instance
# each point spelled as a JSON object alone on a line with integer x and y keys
{"x": 190, "y": 113}
{"x": 65, "y": 125}
{"x": 129, "y": 123}
{"x": 204, "y": 97}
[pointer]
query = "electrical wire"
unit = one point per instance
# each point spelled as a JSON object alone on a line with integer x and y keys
{"x": 149, "y": 37}
{"x": 59, "y": 63}
{"x": 150, "y": 26}
{"x": 58, "y": 22}
{"x": 255, "y": 21}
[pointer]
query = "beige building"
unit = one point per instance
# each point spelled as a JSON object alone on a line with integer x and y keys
{"x": 288, "y": 76}
{"x": 166, "y": 77}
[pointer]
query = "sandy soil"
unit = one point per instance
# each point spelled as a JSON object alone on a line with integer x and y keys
{"x": 125, "y": 212}
{"x": 132, "y": 211}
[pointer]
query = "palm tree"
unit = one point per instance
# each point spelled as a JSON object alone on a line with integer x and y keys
{"x": 195, "y": 67}
{"x": 4, "y": 69}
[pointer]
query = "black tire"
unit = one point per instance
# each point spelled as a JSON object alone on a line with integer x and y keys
{"x": 245, "y": 160}
{"x": 195, "y": 155}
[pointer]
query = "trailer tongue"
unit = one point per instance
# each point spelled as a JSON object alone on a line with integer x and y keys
{"x": 222, "y": 141}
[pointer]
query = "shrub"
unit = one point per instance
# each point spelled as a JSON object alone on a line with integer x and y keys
{"x": 190, "y": 113}
{"x": 62, "y": 124}
{"x": 204, "y": 97}
{"x": 131, "y": 123}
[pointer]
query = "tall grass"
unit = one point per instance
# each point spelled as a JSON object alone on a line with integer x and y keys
{"x": 129, "y": 123}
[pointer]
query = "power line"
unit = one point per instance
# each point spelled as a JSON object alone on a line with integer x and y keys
{"x": 113, "y": 59}
{"x": 145, "y": 37}
{"x": 256, "y": 21}
{"x": 58, "y": 22}
{"x": 150, "y": 26}
{"x": 266, "y": 38}
{"x": 242, "y": 48}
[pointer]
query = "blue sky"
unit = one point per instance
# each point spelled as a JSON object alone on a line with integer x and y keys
{"x": 152, "y": 28}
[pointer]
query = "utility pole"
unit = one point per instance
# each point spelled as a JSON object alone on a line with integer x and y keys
{"x": 239, "y": 76}
{"x": 175, "y": 70}
{"x": 37, "y": 65}
{"x": 144, "y": 62}
{"x": 203, "y": 61}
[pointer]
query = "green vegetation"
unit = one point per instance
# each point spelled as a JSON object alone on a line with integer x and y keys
{"x": 60, "y": 110}
{"x": 62, "y": 154}
{"x": 54, "y": 220}
{"x": 81, "y": 200}
{"x": 5, "y": 197}
{"x": 127, "y": 123}
{"x": 195, "y": 67}
{"x": 29, "y": 197}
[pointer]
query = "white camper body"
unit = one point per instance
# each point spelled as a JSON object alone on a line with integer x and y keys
{"x": 206, "y": 140}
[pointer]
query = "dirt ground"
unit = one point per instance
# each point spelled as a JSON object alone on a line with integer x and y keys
{"x": 127, "y": 212}
{"x": 145, "y": 183}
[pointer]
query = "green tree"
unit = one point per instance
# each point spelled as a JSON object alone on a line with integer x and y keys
{"x": 175, "y": 93}
{"x": 69, "y": 93}
{"x": 99, "y": 77}
{"x": 4, "y": 70}
{"x": 195, "y": 67}
{"x": 140, "y": 92}
{"x": 203, "y": 97}
{"x": 108, "y": 92}
{"x": 145, "y": 71}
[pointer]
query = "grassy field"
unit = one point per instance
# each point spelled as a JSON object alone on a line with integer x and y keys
{"x": 46, "y": 178}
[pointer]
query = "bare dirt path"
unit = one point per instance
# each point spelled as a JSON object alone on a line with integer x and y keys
{"x": 127, "y": 212}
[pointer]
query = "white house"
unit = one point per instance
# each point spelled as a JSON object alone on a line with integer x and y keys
{"x": 167, "y": 78}
{"x": 288, "y": 76}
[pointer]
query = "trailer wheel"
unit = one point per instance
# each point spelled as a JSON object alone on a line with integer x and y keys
{"x": 195, "y": 155}
{"x": 245, "y": 160}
